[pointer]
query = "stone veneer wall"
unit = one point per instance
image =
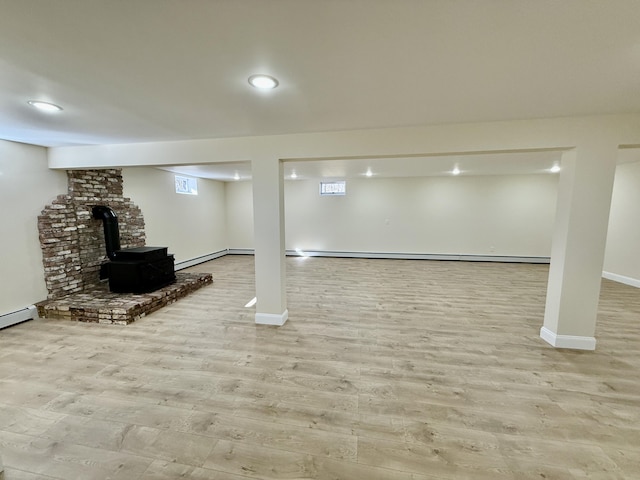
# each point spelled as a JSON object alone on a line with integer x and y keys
{"x": 72, "y": 241}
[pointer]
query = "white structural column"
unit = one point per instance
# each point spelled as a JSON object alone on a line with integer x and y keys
{"x": 268, "y": 232}
{"x": 577, "y": 252}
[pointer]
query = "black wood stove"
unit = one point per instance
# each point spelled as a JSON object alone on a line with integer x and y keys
{"x": 132, "y": 270}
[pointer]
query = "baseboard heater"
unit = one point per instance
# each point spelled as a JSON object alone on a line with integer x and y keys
{"x": 19, "y": 316}
{"x": 418, "y": 256}
{"x": 201, "y": 259}
{"x": 402, "y": 256}
{"x": 633, "y": 282}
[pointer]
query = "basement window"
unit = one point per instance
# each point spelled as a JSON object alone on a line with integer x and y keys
{"x": 186, "y": 185}
{"x": 333, "y": 188}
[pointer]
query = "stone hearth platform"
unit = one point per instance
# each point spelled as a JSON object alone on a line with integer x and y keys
{"x": 97, "y": 304}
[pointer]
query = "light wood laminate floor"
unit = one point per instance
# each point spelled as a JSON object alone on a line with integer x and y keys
{"x": 386, "y": 369}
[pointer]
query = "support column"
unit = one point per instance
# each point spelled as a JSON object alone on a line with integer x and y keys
{"x": 268, "y": 232}
{"x": 577, "y": 252}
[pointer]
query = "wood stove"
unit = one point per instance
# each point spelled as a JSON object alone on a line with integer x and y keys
{"x": 132, "y": 270}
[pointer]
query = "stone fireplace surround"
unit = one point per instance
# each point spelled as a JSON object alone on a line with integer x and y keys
{"x": 73, "y": 249}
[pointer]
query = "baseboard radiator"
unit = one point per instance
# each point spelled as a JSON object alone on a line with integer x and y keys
{"x": 401, "y": 256}
{"x": 19, "y": 316}
{"x": 201, "y": 259}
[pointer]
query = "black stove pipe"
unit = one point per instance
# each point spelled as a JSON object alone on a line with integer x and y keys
{"x": 111, "y": 230}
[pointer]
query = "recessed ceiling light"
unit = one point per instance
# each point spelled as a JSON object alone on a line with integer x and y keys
{"x": 264, "y": 82}
{"x": 369, "y": 173}
{"x": 45, "y": 106}
{"x": 294, "y": 175}
{"x": 456, "y": 170}
{"x": 555, "y": 168}
{"x": 236, "y": 176}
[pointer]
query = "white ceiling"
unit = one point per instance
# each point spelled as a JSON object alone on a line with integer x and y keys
{"x": 151, "y": 70}
{"x": 520, "y": 163}
{"x": 485, "y": 164}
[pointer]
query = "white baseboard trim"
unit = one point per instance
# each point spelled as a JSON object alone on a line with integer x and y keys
{"x": 634, "y": 282}
{"x": 201, "y": 259}
{"x": 20, "y": 316}
{"x": 567, "y": 341}
{"x": 272, "y": 318}
{"x": 419, "y": 256}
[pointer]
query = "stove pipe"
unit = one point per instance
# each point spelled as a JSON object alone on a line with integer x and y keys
{"x": 111, "y": 230}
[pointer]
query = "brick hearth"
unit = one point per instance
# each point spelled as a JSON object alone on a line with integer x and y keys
{"x": 73, "y": 249}
{"x": 96, "y": 304}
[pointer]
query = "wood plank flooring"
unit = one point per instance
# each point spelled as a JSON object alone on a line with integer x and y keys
{"x": 386, "y": 369}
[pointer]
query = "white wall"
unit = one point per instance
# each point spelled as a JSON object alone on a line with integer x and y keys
{"x": 190, "y": 225}
{"x": 492, "y": 215}
{"x": 239, "y": 201}
{"x": 622, "y": 255}
{"x": 26, "y": 186}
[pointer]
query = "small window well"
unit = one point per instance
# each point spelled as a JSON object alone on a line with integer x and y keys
{"x": 333, "y": 188}
{"x": 186, "y": 185}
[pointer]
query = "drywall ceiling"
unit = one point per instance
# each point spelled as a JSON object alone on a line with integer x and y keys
{"x": 486, "y": 164}
{"x": 519, "y": 163}
{"x": 151, "y": 70}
